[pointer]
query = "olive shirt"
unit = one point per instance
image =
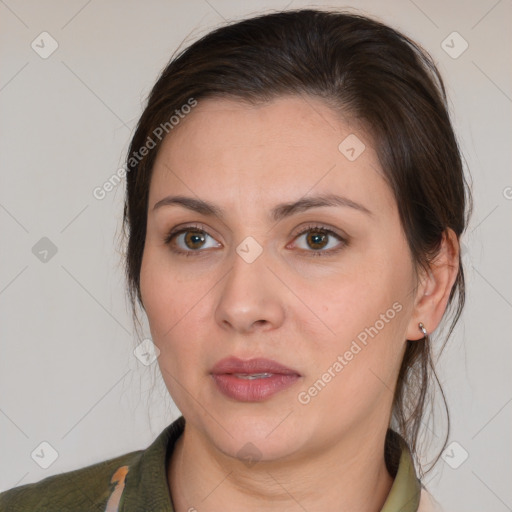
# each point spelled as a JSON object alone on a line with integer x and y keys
{"x": 137, "y": 482}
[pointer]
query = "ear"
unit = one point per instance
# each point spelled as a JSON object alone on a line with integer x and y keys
{"x": 434, "y": 289}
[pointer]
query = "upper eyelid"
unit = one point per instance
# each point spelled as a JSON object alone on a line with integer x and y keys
{"x": 319, "y": 227}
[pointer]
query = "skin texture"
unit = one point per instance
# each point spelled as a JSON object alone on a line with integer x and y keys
{"x": 300, "y": 310}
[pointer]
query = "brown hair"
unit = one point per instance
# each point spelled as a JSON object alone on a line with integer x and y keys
{"x": 365, "y": 70}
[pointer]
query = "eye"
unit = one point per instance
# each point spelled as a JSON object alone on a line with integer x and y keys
{"x": 317, "y": 240}
{"x": 189, "y": 239}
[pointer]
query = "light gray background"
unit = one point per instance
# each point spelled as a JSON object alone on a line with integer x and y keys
{"x": 68, "y": 375}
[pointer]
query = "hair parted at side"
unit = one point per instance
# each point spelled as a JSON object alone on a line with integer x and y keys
{"x": 367, "y": 72}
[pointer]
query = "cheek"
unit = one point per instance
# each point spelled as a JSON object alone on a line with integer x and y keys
{"x": 353, "y": 365}
{"x": 162, "y": 294}
{"x": 175, "y": 314}
{"x": 174, "y": 305}
{"x": 349, "y": 302}
{"x": 362, "y": 316}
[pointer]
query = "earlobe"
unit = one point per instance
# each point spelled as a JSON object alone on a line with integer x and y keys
{"x": 435, "y": 288}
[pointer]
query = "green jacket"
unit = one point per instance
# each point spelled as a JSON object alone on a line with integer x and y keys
{"x": 137, "y": 482}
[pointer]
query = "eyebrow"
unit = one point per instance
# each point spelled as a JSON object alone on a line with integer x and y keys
{"x": 277, "y": 213}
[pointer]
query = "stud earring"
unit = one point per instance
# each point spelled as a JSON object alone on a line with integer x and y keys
{"x": 423, "y": 330}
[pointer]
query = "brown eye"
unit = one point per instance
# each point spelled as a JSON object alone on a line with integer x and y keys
{"x": 316, "y": 239}
{"x": 320, "y": 241}
{"x": 189, "y": 241}
{"x": 194, "y": 239}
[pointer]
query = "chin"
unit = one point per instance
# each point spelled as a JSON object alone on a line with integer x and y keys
{"x": 258, "y": 436}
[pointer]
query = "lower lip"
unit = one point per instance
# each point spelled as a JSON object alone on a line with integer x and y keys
{"x": 253, "y": 390}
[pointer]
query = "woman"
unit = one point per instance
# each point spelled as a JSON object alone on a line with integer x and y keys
{"x": 295, "y": 201}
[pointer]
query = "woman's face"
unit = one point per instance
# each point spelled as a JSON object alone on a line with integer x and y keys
{"x": 335, "y": 307}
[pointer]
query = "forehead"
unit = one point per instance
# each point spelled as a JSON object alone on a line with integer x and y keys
{"x": 298, "y": 121}
{"x": 290, "y": 146}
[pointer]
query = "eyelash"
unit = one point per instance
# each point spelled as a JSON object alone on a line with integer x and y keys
{"x": 314, "y": 227}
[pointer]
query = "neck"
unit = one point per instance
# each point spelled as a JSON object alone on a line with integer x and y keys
{"x": 351, "y": 473}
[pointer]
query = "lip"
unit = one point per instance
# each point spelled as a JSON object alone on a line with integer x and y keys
{"x": 274, "y": 378}
{"x": 251, "y": 366}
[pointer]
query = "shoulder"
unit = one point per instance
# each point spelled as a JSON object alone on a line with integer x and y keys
{"x": 83, "y": 489}
{"x": 428, "y": 503}
{"x": 137, "y": 478}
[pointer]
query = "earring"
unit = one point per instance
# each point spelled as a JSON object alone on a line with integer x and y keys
{"x": 423, "y": 330}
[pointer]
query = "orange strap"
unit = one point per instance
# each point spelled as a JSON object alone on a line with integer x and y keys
{"x": 117, "y": 478}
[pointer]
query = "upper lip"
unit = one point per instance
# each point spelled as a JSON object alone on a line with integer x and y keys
{"x": 251, "y": 366}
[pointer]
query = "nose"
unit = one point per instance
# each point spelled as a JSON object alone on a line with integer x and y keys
{"x": 252, "y": 298}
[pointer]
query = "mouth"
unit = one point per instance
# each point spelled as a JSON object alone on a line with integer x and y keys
{"x": 256, "y": 366}
{"x": 252, "y": 380}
